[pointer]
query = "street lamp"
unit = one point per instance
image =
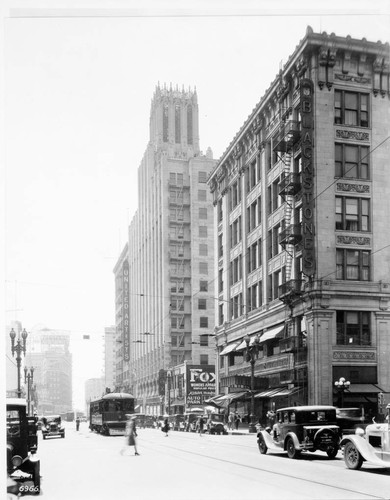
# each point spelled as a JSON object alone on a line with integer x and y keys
{"x": 251, "y": 353}
{"x": 18, "y": 348}
{"x": 341, "y": 385}
{"x": 28, "y": 379}
{"x": 169, "y": 375}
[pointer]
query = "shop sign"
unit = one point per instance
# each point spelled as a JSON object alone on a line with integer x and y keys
{"x": 126, "y": 315}
{"x": 308, "y": 255}
{"x": 200, "y": 384}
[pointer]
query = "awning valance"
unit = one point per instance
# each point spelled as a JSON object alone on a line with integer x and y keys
{"x": 271, "y": 334}
{"x": 229, "y": 348}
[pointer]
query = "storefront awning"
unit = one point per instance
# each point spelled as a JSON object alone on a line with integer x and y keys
{"x": 233, "y": 396}
{"x": 286, "y": 392}
{"x": 363, "y": 388}
{"x": 271, "y": 334}
{"x": 268, "y": 393}
{"x": 229, "y": 348}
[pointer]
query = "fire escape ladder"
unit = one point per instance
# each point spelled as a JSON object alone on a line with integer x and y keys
{"x": 287, "y": 217}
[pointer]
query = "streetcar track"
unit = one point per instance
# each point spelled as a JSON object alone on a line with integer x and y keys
{"x": 260, "y": 469}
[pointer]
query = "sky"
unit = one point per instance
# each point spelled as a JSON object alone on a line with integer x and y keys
{"x": 78, "y": 81}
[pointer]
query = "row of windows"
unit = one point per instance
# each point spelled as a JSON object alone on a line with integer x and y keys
{"x": 176, "y": 178}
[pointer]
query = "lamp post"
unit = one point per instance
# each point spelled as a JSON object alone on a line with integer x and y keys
{"x": 28, "y": 379}
{"x": 169, "y": 375}
{"x": 251, "y": 353}
{"x": 19, "y": 347}
{"x": 341, "y": 385}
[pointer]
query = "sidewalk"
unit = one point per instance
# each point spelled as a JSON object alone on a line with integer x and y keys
{"x": 243, "y": 431}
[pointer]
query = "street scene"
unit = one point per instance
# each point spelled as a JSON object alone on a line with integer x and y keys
{"x": 183, "y": 465}
{"x": 197, "y": 250}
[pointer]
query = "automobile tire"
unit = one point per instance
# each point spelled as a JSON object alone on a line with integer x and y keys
{"x": 36, "y": 476}
{"x": 332, "y": 451}
{"x": 263, "y": 448}
{"x": 352, "y": 457}
{"x": 292, "y": 452}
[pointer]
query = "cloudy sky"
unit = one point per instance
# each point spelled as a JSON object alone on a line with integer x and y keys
{"x": 78, "y": 85}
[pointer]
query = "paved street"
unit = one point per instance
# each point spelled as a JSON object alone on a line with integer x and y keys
{"x": 186, "y": 466}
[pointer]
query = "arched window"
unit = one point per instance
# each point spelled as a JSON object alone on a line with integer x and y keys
{"x": 177, "y": 124}
{"x": 189, "y": 125}
{"x": 165, "y": 123}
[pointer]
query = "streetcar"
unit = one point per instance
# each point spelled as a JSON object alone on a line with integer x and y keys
{"x": 107, "y": 415}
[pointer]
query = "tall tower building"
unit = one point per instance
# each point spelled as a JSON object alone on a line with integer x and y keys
{"x": 302, "y": 197}
{"x": 165, "y": 283}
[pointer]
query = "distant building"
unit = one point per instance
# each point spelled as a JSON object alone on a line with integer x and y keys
{"x": 109, "y": 357}
{"x": 48, "y": 352}
{"x": 302, "y": 208}
{"x": 164, "y": 295}
{"x": 94, "y": 389}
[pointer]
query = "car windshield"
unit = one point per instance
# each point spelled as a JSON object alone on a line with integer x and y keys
{"x": 318, "y": 416}
{"x": 349, "y": 412}
{"x": 49, "y": 420}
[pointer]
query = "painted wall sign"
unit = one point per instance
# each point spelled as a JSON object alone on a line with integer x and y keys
{"x": 125, "y": 308}
{"x": 307, "y": 115}
{"x": 200, "y": 384}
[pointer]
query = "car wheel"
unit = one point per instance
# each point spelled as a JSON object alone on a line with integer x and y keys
{"x": 332, "y": 451}
{"x": 292, "y": 452}
{"x": 262, "y": 446}
{"x": 352, "y": 457}
{"x": 36, "y": 476}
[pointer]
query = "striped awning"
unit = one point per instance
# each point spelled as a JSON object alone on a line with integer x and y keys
{"x": 268, "y": 393}
{"x": 271, "y": 334}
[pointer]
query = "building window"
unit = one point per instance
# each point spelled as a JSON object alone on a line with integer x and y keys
{"x": 203, "y": 286}
{"x": 221, "y": 318}
{"x": 189, "y": 126}
{"x": 235, "y": 195}
{"x": 203, "y": 231}
{"x": 203, "y": 250}
{"x": 204, "y": 340}
{"x": 274, "y": 200}
{"x": 353, "y": 328}
{"x": 203, "y": 268}
{"x": 254, "y": 215}
{"x": 204, "y": 359}
{"x": 352, "y": 161}
{"x": 352, "y": 214}
{"x": 202, "y": 304}
{"x": 202, "y": 177}
{"x": 252, "y": 175}
{"x": 202, "y": 213}
{"x": 220, "y": 280}
{"x": 202, "y": 195}
{"x": 203, "y": 322}
{"x": 165, "y": 123}
{"x": 351, "y": 108}
{"x": 237, "y": 306}
{"x": 254, "y": 256}
{"x": 352, "y": 264}
{"x": 235, "y": 270}
{"x": 252, "y": 298}
{"x": 177, "y": 123}
{"x": 220, "y": 246}
{"x": 235, "y": 232}
{"x": 220, "y": 210}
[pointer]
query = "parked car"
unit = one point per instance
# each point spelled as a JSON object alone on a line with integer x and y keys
{"x": 215, "y": 423}
{"x": 190, "y": 421}
{"x": 52, "y": 426}
{"x": 22, "y": 443}
{"x": 371, "y": 445}
{"x": 349, "y": 419}
{"x": 177, "y": 422}
{"x": 302, "y": 428}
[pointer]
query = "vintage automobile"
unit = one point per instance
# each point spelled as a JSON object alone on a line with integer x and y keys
{"x": 22, "y": 442}
{"x": 190, "y": 421}
{"x": 302, "y": 428}
{"x": 349, "y": 419}
{"x": 371, "y": 445}
{"x": 215, "y": 423}
{"x": 52, "y": 426}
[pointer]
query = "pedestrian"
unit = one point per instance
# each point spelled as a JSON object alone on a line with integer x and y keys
{"x": 200, "y": 425}
{"x": 165, "y": 427}
{"x": 230, "y": 421}
{"x": 237, "y": 420}
{"x": 131, "y": 434}
{"x": 77, "y": 423}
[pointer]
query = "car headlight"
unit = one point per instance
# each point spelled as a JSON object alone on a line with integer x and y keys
{"x": 359, "y": 431}
{"x": 17, "y": 460}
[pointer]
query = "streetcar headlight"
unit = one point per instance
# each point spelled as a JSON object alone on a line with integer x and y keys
{"x": 17, "y": 460}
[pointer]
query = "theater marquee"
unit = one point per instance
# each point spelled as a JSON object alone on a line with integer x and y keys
{"x": 308, "y": 255}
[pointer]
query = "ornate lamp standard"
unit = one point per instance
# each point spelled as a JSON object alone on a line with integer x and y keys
{"x": 18, "y": 348}
{"x": 169, "y": 376}
{"x": 28, "y": 379}
{"x": 251, "y": 354}
{"x": 341, "y": 385}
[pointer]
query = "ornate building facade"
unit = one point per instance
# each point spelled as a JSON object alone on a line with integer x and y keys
{"x": 165, "y": 300}
{"x": 302, "y": 208}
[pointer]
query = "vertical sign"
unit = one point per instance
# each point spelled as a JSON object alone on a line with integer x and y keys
{"x": 200, "y": 384}
{"x": 125, "y": 309}
{"x": 307, "y": 114}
